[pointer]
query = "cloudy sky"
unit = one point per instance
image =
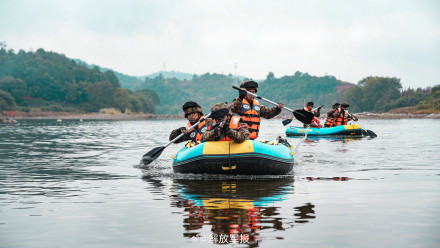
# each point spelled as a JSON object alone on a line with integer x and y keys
{"x": 347, "y": 39}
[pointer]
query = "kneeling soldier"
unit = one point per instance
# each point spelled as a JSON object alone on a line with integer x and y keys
{"x": 225, "y": 126}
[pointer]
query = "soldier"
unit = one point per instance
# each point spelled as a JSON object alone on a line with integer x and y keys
{"x": 342, "y": 116}
{"x": 316, "y": 112}
{"x": 193, "y": 112}
{"x": 250, "y": 109}
{"x": 225, "y": 125}
{"x": 309, "y": 107}
{"x": 330, "y": 122}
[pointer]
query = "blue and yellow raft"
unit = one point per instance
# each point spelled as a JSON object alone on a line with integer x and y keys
{"x": 353, "y": 130}
{"x": 227, "y": 157}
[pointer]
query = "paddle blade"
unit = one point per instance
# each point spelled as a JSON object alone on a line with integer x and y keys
{"x": 372, "y": 134}
{"x": 303, "y": 116}
{"x": 287, "y": 121}
{"x": 152, "y": 155}
{"x": 364, "y": 132}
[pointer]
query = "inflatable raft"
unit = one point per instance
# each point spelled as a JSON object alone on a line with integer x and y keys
{"x": 353, "y": 130}
{"x": 227, "y": 157}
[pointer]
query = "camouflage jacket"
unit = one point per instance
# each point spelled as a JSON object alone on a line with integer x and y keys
{"x": 177, "y": 132}
{"x": 238, "y": 135}
{"x": 331, "y": 113}
{"x": 265, "y": 112}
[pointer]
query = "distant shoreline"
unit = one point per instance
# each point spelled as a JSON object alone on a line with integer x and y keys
{"x": 366, "y": 115}
{"x": 397, "y": 116}
{"x": 88, "y": 116}
{"x": 100, "y": 116}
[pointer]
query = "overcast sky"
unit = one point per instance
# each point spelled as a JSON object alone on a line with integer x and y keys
{"x": 347, "y": 39}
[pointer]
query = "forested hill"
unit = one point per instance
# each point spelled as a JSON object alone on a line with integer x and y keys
{"x": 209, "y": 89}
{"x": 134, "y": 83}
{"x": 296, "y": 90}
{"x": 48, "y": 81}
{"x": 126, "y": 81}
{"x": 206, "y": 89}
{"x": 52, "y": 82}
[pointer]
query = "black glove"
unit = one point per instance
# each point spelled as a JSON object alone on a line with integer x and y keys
{"x": 216, "y": 133}
{"x": 226, "y": 128}
{"x": 181, "y": 129}
{"x": 319, "y": 108}
{"x": 242, "y": 94}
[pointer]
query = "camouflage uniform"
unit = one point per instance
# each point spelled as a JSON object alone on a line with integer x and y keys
{"x": 216, "y": 133}
{"x": 252, "y": 114}
{"x": 265, "y": 112}
{"x": 177, "y": 132}
{"x": 188, "y": 108}
{"x": 331, "y": 113}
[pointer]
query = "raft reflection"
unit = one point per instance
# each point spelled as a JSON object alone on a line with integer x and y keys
{"x": 314, "y": 139}
{"x": 236, "y": 211}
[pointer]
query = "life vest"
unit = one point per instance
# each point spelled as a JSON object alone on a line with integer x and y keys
{"x": 342, "y": 118}
{"x": 329, "y": 122}
{"x": 196, "y": 133}
{"x": 251, "y": 116}
{"x": 311, "y": 111}
{"x": 233, "y": 124}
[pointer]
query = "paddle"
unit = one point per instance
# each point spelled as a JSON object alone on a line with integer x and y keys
{"x": 299, "y": 114}
{"x": 369, "y": 132}
{"x": 155, "y": 153}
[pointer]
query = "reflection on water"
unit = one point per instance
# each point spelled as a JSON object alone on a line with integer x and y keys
{"x": 311, "y": 139}
{"x": 234, "y": 211}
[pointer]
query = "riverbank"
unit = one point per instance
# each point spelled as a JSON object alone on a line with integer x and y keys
{"x": 135, "y": 116}
{"x": 388, "y": 115}
{"x": 366, "y": 115}
{"x": 88, "y": 116}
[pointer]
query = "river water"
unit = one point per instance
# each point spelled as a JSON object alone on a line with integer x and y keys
{"x": 80, "y": 184}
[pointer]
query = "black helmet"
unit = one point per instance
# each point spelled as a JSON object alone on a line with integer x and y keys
{"x": 191, "y": 107}
{"x": 250, "y": 84}
{"x": 220, "y": 109}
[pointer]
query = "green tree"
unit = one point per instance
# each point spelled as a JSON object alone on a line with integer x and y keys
{"x": 373, "y": 93}
{"x": 270, "y": 77}
{"x": 147, "y": 104}
{"x": 101, "y": 94}
{"x": 433, "y": 102}
{"x": 77, "y": 92}
{"x": 15, "y": 86}
{"x": 110, "y": 76}
{"x": 152, "y": 94}
{"x": 353, "y": 96}
{"x": 136, "y": 104}
{"x": 121, "y": 99}
{"x": 6, "y": 101}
